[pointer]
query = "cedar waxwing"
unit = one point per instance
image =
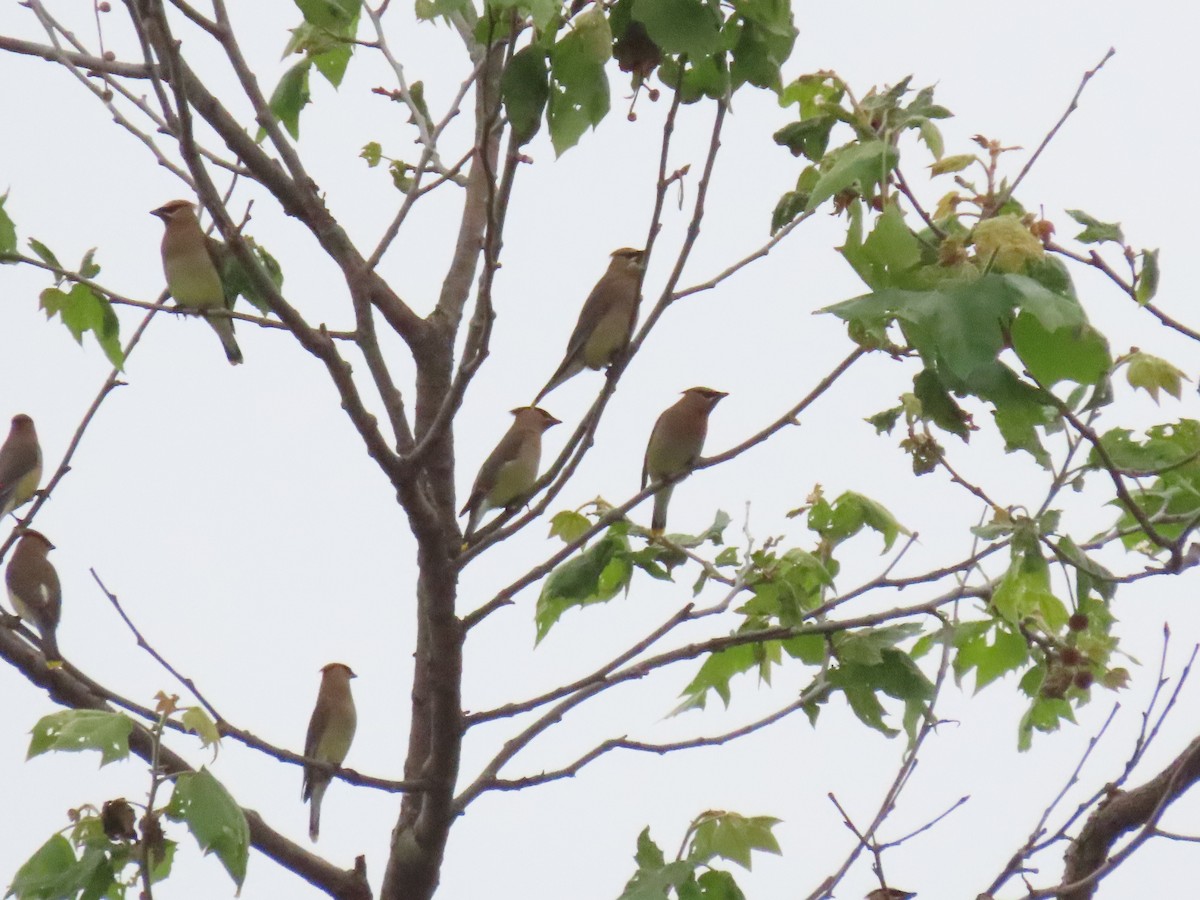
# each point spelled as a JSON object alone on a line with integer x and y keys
{"x": 509, "y": 472}
{"x": 192, "y": 264}
{"x": 606, "y": 321}
{"x": 20, "y": 465}
{"x": 330, "y": 732}
{"x": 890, "y": 894}
{"x": 34, "y": 590}
{"x": 675, "y": 444}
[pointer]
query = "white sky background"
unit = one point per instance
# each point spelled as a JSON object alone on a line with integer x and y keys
{"x": 252, "y": 540}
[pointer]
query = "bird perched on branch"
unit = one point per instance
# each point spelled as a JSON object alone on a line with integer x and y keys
{"x": 34, "y": 590}
{"x": 675, "y": 444}
{"x": 508, "y": 474}
{"x": 20, "y": 465}
{"x": 330, "y": 732}
{"x": 193, "y": 263}
{"x": 606, "y": 321}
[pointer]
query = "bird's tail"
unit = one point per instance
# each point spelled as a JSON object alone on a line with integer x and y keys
{"x": 224, "y": 328}
{"x": 473, "y": 519}
{"x": 569, "y": 367}
{"x": 54, "y": 659}
{"x": 658, "y": 521}
{"x": 316, "y": 791}
{"x": 550, "y": 385}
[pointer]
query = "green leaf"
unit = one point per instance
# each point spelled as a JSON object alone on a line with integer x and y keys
{"x": 431, "y": 9}
{"x": 525, "y": 88}
{"x": 889, "y": 254}
{"x": 764, "y": 43}
{"x": 816, "y": 94}
{"x": 82, "y": 310}
{"x": 74, "y": 730}
{"x": 728, "y": 835}
{"x": 332, "y": 14}
{"x": 372, "y": 153}
{"x": 1071, "y": 353}
{"x": 8, "y": 231}
{"x": 648, "y": 856}
{"x": 867, "y": 645}
{"x": 214, "y": 819}
{"x": 46, "y": 255}
{"x": 1095, "y": 231}
{"x": 1044, "y": 715}
{"x": 1005, "y": 244}
{"x": 332, "y": 63}
{"x": 1006, "y": 652}
{"x": 595, "y": 576}
{"x": 691, "y": 27}
{"x": 291, "y": 95}
{"x": 716, "y": 885}
{"x": 807, "y": 138}
{"x": 704, "y": 77}
{"x": 655, "y": 877}
{"x": 399, "y": 170}
{"x": 938, "y": 407}
{"x": 932, "y": 136}
{"x": 88, "y": 266}
{"x": 1152, "y": 374}
{"x": 542, "y": 12}
{"x": 849, "y": 514}
{"x": 1089, "y": 575}
{"x": 1025, "y": 588}
{"x": 885, "y": 421}
{"x": 237, "y": 280}
{"x": 417, "y": 91}
{"x": 950, "y": 164}
{"x": 197, "y": 721}
{"x": 578, "y": 96}
{"x": 866, "y": 164}
{"x": 53, "y": 872}
{"x": 569, "y": 526}
{"x": 1144, "y": 289}
{"x": 896, "y": 676}
{"x": 721, "y": 666}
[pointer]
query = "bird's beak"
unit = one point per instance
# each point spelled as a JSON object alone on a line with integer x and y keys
{"x": 160, "y": 213}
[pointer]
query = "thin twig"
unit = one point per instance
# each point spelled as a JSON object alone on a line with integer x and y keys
{"x": 1071, "y": 107}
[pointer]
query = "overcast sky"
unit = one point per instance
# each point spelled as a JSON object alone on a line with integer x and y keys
{"x": 249, "y": 536}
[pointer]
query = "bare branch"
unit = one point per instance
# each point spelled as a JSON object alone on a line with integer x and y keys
{"x": 1071, "y": 107}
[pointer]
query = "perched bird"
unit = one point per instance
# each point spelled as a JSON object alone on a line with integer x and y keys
{"x": 675, "y": 444}
{"x": 606, "y": 320}
{"x": 20, "y": 465}
{"x": 890, "y": 894}
{"x": 507, "y": 475}
{"x": 34, "y": 590}
{"x": 330, "y": 732}
{"x": 192, "y": 262}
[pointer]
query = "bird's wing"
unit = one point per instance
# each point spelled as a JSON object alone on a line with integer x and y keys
{"x": 222, "y": 261}
{"x": 17, "y": 462}
{"x": 311, "y": 740}
{"x": 646, "y": 458}
{"x": 505, "y": 450}
{"x": 595, "y": 308}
